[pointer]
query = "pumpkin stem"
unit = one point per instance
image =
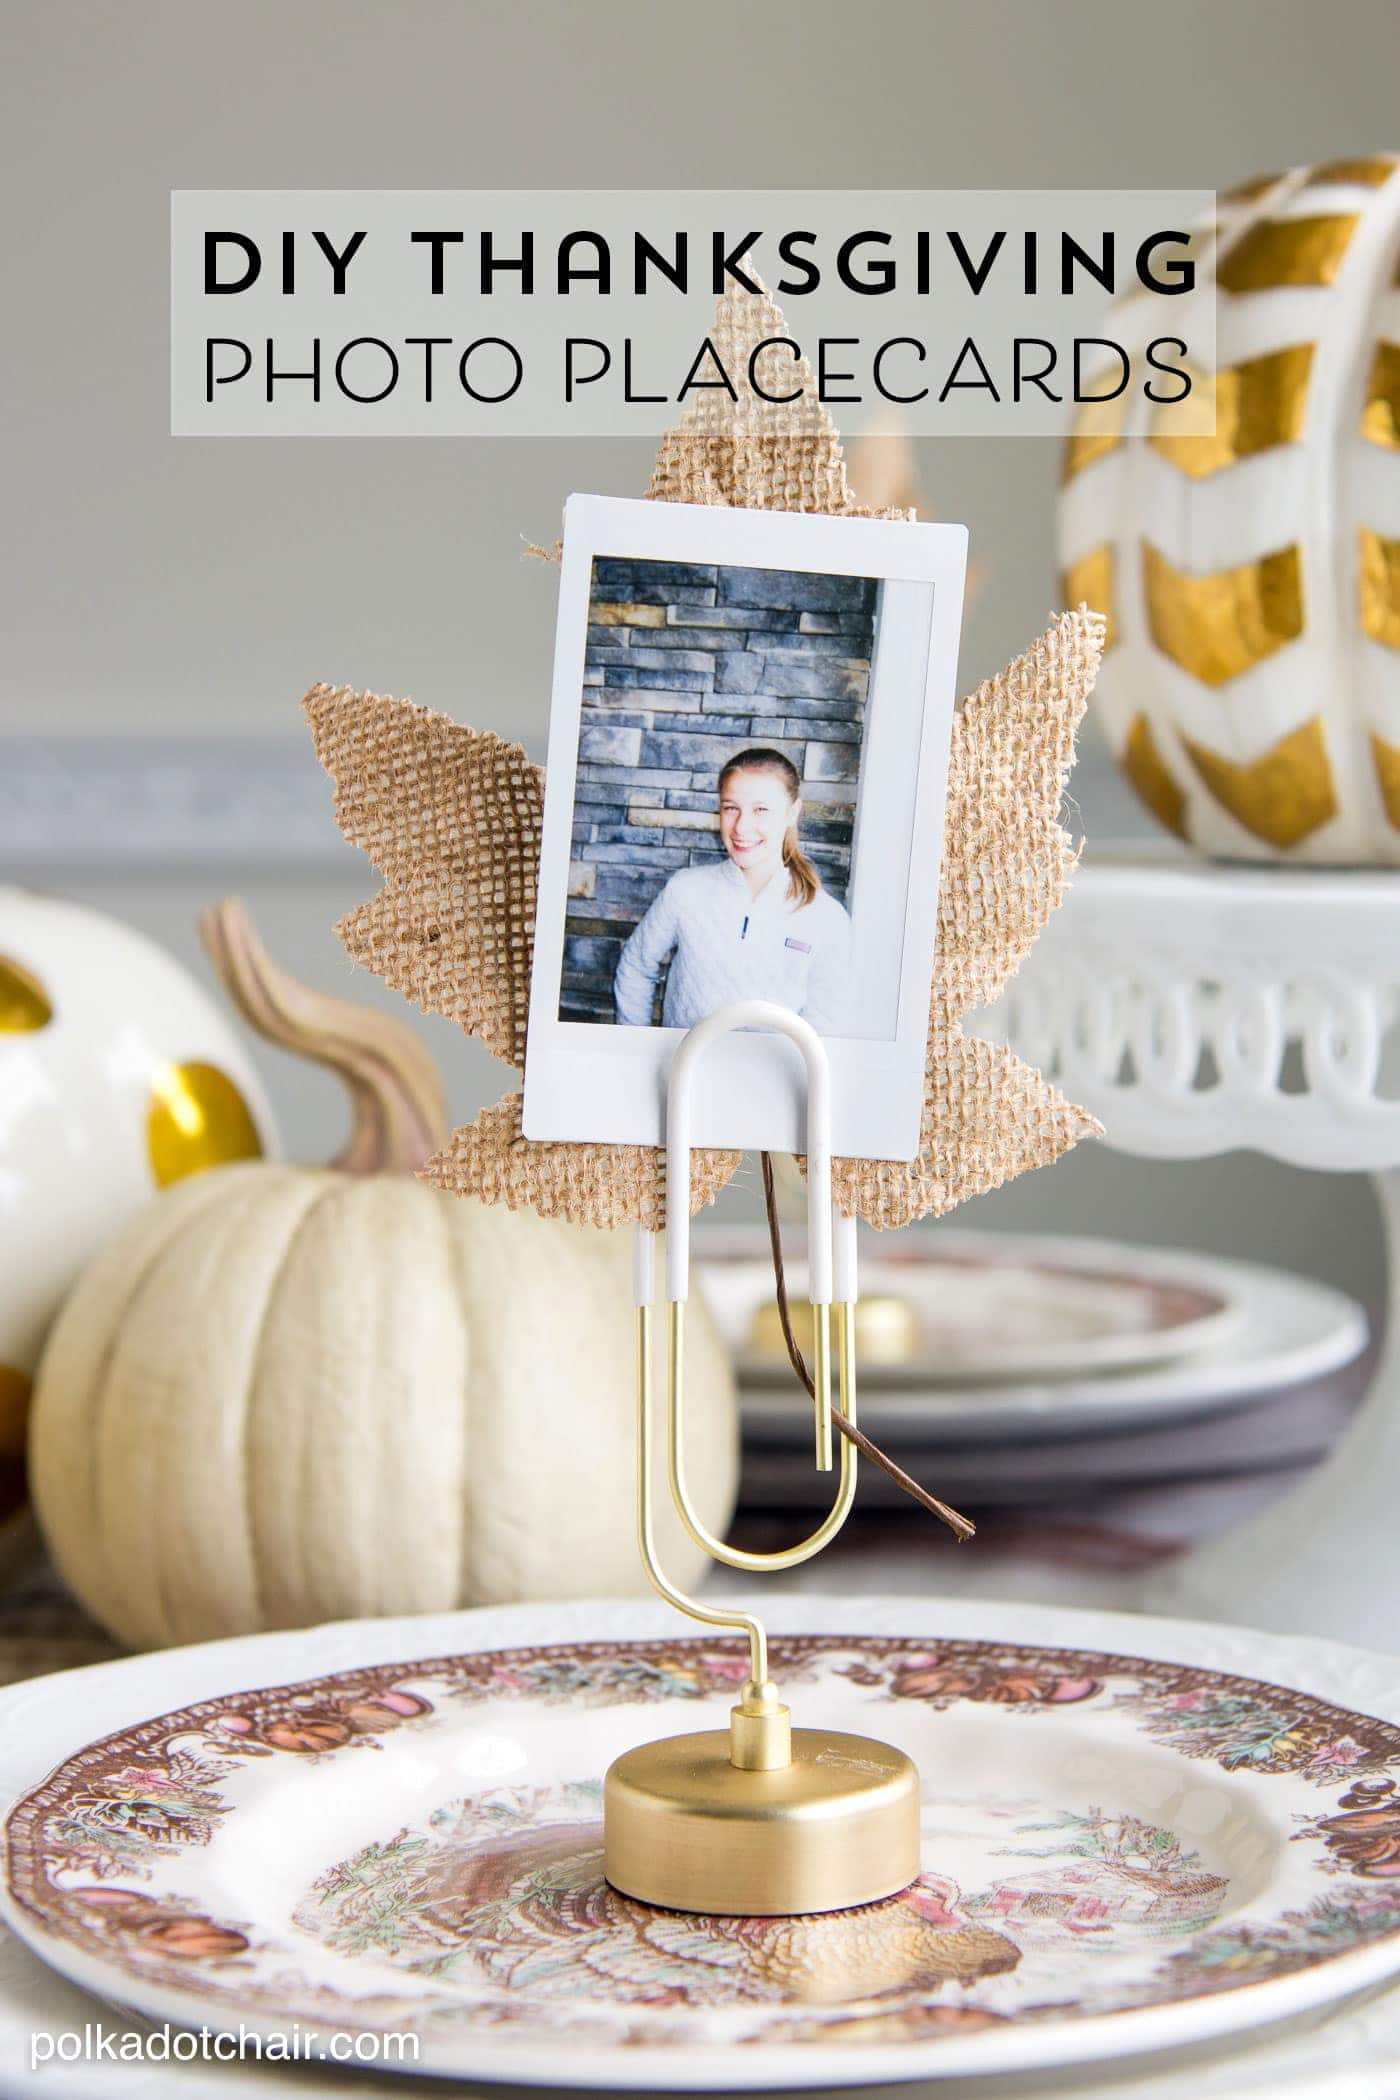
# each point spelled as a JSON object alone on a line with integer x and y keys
{"x": 398, "y": 1112}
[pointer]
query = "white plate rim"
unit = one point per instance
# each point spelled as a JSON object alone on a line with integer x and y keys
{"x": 1130, "y": 1263}
{"x": 1246, "y": 1371}
{"x": 124, "y": 1693}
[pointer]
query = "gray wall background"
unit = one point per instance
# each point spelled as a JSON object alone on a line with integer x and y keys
{"x": 168, "y": 599}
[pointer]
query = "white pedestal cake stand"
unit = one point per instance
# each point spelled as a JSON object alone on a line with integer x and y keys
{"x": 1198, "y": 1009}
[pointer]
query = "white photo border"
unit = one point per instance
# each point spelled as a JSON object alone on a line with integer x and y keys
{"x": 590, "y": 1083}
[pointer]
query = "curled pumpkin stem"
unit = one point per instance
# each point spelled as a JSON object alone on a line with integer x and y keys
{"x": 398, "y": 1112}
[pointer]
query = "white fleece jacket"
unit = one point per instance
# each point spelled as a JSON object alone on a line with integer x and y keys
{"x": 726, "y": 945}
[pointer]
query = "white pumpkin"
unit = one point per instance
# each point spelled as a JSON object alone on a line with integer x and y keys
{"x": 1249, "y": 561}
{"x": 286, "y": 1394}
{"x": 118, "y": 1075}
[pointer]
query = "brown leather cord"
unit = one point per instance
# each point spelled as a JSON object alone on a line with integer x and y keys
{"x": 961, "y": 1527}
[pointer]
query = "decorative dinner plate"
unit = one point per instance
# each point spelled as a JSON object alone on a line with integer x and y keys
{"x": 1137, "y": 1834}
{"x": 991, "y": 1305}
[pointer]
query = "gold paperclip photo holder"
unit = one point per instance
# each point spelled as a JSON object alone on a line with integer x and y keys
{"x": 760, "y": 1819}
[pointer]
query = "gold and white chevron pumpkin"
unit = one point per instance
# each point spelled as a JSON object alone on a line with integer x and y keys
{"x": 1251, "y": 690}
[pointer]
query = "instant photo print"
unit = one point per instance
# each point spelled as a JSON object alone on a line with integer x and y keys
{"x": 747, "y": 762}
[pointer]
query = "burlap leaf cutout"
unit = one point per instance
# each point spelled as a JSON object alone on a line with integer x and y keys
{"x": 451, "y": 817}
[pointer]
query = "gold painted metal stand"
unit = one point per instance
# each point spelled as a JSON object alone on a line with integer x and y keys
{"x": 759, "y": 1819}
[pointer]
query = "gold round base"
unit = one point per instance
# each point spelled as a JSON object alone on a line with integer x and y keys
{"x": 685, "y": 1829}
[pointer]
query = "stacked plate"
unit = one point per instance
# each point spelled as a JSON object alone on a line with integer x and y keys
{"x": 1083, "y": 1364}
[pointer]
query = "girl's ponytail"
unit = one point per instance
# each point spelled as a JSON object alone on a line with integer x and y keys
{"x": 803, "y": 879}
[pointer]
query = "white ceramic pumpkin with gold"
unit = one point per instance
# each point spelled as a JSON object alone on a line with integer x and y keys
{"x": 1251, "y": 573}
{"x": 118, "y": 1076}
{"x": 286, "y": 1394}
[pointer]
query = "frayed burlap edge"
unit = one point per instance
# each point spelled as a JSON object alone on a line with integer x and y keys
{"x": 588, "y": 1184}
{"x": 988, "y": 1116}
{"x": 452, "y": 819}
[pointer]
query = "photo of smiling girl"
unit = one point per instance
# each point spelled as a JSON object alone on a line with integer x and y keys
{"x": 755, "y": 925}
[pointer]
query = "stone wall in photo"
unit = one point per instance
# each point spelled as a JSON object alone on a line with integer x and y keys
{"x": 688, "y": 663}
